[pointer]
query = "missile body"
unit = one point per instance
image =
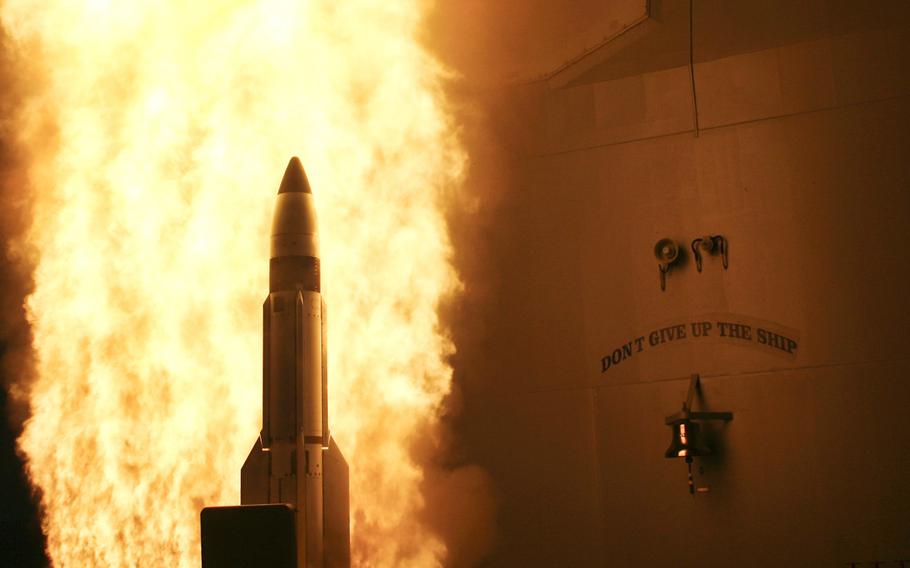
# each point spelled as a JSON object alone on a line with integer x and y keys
{"x": 295, "y": 461}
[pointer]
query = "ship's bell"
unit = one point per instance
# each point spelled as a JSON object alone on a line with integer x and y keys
{"x": 686, "y": 442}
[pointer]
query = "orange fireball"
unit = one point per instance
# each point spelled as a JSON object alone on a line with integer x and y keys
{"x": 171, "y": 124}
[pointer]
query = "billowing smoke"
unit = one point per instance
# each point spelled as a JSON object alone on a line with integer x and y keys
{"x": 21, "y": 541}
{"x": 417, "y": 498}
{"x": 461, "y": 495}
{"x": 490, "y": 49}
{"x": 15, "y": 215}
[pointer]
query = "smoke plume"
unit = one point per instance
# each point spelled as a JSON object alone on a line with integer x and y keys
{"x": 128, "y": 146}
{"x": 21, "y": 540}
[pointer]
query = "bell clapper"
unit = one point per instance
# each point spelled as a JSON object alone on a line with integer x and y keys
{"x": 691, "y": 481}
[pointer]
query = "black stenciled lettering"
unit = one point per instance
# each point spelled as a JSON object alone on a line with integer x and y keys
{"x": 619, "y": 354}
{"x": 627, "y": 350}
{"x": 653, "y": 338}
{"x": 701, "y": 328}
{"x": 774, "y": 340}
{"x": 616, "y": 356}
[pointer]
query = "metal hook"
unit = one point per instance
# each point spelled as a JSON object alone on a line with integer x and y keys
{"x": 695, "y": 244}
{"x": 710, "y": 243}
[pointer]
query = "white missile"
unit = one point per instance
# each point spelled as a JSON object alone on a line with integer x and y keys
{"x": 295, "y": 472}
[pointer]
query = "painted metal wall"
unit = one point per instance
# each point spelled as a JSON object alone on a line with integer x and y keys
{"x": 802, "y": 163}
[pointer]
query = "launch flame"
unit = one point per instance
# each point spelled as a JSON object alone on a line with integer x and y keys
{"x": 159, "y": 132}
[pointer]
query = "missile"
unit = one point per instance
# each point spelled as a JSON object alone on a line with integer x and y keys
{"x": 294, "y": 483}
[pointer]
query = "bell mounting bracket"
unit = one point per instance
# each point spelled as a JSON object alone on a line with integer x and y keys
{"x": 686, "y": 412}
{"x": 684, "y": 417}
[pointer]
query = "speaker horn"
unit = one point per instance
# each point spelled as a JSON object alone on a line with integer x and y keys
{"x": 667, "y": 252}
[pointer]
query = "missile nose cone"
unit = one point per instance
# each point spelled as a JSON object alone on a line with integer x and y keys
{"x": 294, "y": 180}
